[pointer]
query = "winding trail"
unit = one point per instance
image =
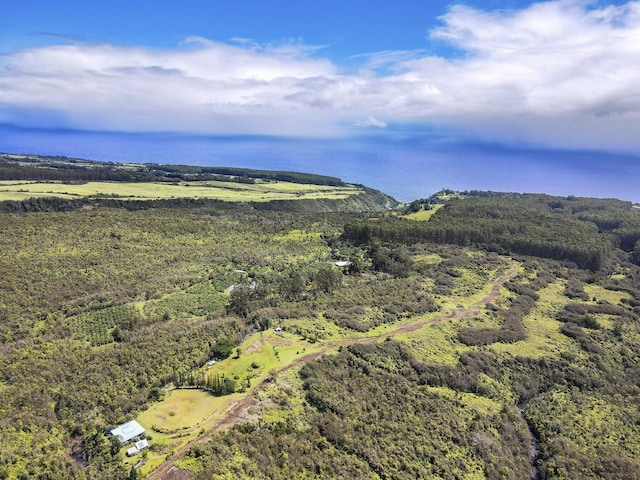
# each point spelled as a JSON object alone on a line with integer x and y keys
{"x": 168, "y": 471}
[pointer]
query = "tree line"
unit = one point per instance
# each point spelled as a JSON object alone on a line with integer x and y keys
{"x": 536, "y": 225}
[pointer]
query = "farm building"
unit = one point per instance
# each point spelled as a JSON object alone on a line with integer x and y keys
{"x": 128, "y": 432}
{"x": 137, "y": 448}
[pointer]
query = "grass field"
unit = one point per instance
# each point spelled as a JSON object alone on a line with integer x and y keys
{"x": 177, "y": 420}
{"x": 232, "y": 192}
{"x": 424, "y": 215}
{"x": 186, "y": 413}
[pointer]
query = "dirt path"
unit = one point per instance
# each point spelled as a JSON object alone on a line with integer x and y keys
{"x": 167, "y": 471}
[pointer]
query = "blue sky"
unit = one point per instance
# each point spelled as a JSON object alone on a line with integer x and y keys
{"x": 559, "y": 74}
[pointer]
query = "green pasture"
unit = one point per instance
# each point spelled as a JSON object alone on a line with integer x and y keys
{"x": 227, "y": 191}
{"x": 260, "y": 355}
{"x": 424, "y": 215}
{"x": 598, "y": 293}
{"x": 177, "y": 420}
{"x": 182, "y": 409}
{"x": 435, "y": 343}
{"x": 186, "y": 413}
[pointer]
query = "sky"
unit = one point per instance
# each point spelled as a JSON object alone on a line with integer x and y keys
{"x": 559, "y": 74}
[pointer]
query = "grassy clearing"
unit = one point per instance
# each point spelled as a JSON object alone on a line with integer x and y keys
{"x": 427, "y": 259}
{"x": 600, "y": 294}
{"x": 436, "y": 343}
{"x": 424, "y": 215}
{"x": 182, "y": 409}
{"x": 261, "y": 354}
{"x": 232, "y": 192}
{"x": 543, "y": 331}
{"x": 187, "y": 413}
{"x": 183, "y": 416}
{"x": 480, "y": 404}
{"x": 474, "y": 285}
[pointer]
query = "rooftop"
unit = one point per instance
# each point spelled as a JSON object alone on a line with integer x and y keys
{"x": 128, "y": 431}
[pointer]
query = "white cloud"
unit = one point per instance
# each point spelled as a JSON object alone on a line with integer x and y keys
{"x": 370, "y": 122}
{"x": 561, "y": 73}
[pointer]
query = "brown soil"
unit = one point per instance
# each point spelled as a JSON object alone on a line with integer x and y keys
{"x": 239, "y": 411}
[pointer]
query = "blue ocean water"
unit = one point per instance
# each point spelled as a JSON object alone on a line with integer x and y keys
{"x": 405, "y": 167}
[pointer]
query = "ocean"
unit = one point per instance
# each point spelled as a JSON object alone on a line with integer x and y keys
{"x": 406, "y": 167}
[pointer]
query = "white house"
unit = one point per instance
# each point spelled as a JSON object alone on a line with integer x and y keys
{"x": 128, "y": 432}
{"x": 137, "y": 448}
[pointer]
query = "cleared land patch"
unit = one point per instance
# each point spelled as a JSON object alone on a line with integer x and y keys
{"x": 186, "y": 413}
{"x": 232, "y": 192}
{"x": 543, "y": 330}
{"x": 424, "y": 215}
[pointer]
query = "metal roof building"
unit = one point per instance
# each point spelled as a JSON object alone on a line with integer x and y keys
{"x": 137, "y": 448}
{"x": 128, "y": 431}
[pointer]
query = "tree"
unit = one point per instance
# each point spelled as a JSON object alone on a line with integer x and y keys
{"x": 356, "y": 264}
{"x": 636, "y": 253}
{"x": 292, "y": 287}
{"x": 222, "y": 348}
{"x": 239, "y": 300}
{"x": 133, "y": 474}
{"x": 243, "y": 296}
{"x": 327, "y": 279}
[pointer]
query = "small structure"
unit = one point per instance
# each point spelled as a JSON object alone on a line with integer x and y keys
{"x": 278, "y": 331}
{"x": 342, "y": 263}
{"x": 129, "y": 432}
{"x": 137, "y": 448}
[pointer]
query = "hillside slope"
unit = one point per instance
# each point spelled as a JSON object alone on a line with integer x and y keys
{"x": 109, "y": 306}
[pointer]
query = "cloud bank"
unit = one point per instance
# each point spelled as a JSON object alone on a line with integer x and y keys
{"x": 563, "y": 73}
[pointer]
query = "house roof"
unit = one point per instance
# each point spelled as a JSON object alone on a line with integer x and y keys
{"x": 137, "y": 448}
{"x": 128, "y": 431}
{"x": 142, "y": 444}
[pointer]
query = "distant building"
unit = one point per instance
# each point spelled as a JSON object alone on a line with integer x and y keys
{"x": 342, "y": 263}
{"x": 129, "y": 432}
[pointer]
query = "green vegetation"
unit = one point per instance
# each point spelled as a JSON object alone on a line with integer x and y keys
{"x": 452, "y": 344}
{"x": 581, "y": 231}
{"x": 38, "y": 183}
{"x": 231, "y": 192}
{"x": 60, "y": 168}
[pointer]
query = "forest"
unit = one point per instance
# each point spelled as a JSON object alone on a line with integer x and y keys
{"x": 500, "y": 338}
{"x": 39, "y": 167}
